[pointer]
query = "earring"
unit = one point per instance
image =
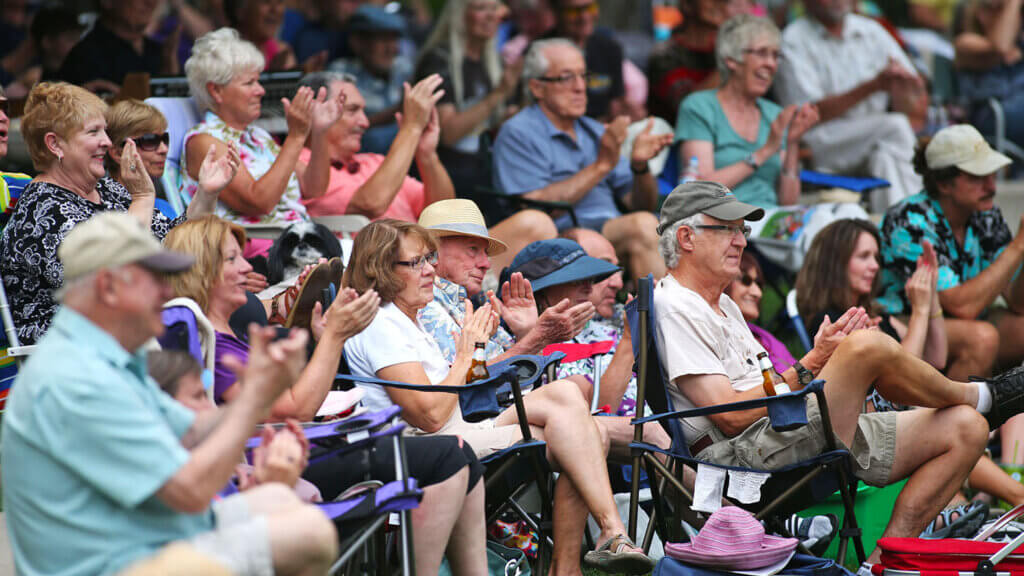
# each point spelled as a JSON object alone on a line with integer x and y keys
{"x": 60, "y": 159}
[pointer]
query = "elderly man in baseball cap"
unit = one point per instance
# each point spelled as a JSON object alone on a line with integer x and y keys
{"x": 141, "y": 469}
{"x": 709, "y": 356}
{"x": 978, "y": 257}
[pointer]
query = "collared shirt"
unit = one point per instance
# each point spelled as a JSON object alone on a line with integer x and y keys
{"x": 380, "y": 94}
{"x": 406, "y": 205}
{"x": 88, "y": 440}
{"x": 442, "y": 319}
{"x": 531, "y": 153}
{"x": 258, "y": 152}
{"x": 920, "y": 217}
{"x": 815, "y": 64}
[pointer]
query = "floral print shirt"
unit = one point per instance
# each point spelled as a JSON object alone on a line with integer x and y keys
{"x": 258, "y": 151}
{"x": 42, "y": 217}
{"x": 599, "y": 330}
{"x": 442, "y": 319}
{"x": 920, "y": 217}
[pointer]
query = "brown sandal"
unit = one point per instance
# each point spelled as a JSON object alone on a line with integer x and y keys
{"x": 615, "y": 557}
{"x": 308, "y": 295}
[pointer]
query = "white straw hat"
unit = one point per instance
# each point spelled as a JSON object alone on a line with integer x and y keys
{"x": 459, "y": 217}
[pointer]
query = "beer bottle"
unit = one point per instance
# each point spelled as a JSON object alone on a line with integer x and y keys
{"x": 478, "y": 369}
{"x": 773, "y": 383}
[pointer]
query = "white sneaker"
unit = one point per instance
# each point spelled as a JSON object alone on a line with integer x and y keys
{"x": 865, "y": 569}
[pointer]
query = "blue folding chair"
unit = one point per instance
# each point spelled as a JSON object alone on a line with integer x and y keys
{"x": 790, "y": 488}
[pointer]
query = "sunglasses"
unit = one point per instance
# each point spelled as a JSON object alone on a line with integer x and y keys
{"x": 748, "y": 280}
{"x": 576, "y": 11}
{"x": 150, "y": 141}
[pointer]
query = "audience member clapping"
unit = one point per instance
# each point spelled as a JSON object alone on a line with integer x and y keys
{"x": 223, "y": 73}
{"x": 477, "y": 91}
{"x": 587, "y": 170}
{"x": 739, "y": 138}
{"x": 868, "y": 95}
{"x": 65, "y": 131}
{"x": 370, "y": 184}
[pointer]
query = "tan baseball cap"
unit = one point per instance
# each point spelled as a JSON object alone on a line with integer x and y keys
{"x": 961, "y": 145}
{"x": 459, "y": 217}
{"x": 112, "y": 239}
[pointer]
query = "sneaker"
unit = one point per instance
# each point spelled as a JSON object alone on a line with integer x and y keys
{"x": 1007, "y": 396}
{"x": 865, "y": 569}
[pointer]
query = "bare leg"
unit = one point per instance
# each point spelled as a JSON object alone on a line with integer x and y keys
{"x": 433, "y": 522}
{"x": 1011, "y": 346}
{"x": 988, "y": 477}
{"x": 302, "y": 539}
{"x": 620, "y": 434}
{"x": 576, "y": 445}
{"x": 467, "y": 547}
{"x": 635, "y": 239}
{"x": 972, "y": 348}
{"x": 570, "y": 519}
{"x": 519, "y": 230}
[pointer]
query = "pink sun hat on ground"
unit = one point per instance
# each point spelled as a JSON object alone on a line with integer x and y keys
{"x": 732, "y": 539}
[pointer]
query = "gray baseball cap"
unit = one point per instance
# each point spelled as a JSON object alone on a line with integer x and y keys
{"x": 702, "y": 197}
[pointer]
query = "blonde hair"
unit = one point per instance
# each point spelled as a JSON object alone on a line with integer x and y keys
{"x": 202, "y": 238}
{"x": 130, "y": 118}
{"x": 60, "y": 108}
{"x": 372, "y": 263}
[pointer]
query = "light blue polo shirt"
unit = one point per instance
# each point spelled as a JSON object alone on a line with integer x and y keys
{"x": 88, "y": 439}
{"x": 531, "y": 153}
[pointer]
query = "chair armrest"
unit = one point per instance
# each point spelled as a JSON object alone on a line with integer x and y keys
{"x": 543, "y": 205}
{"x": 815, "y": 387}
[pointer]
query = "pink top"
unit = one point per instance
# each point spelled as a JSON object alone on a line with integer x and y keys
{"x": 407, "y": 204}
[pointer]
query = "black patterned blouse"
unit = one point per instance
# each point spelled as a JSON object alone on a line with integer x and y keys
{"x": 44, "y": 215}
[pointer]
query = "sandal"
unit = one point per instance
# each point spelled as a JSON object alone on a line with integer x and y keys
{"x": 970, "y": 517}
{"x": 615, "y": 557}
{"x": 815, "y": 532}
{"x": 294, "y": 306}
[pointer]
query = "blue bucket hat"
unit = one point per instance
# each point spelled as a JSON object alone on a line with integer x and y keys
{"x": 372, "y": 18}
{"x": 547, "y": 263}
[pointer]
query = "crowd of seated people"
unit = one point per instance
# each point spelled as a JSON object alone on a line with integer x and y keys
{"x": 508, "y": 174}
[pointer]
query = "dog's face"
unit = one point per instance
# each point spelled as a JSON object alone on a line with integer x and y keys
{"x": 300, "y": 244}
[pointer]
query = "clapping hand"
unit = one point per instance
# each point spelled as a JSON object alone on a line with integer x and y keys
{"x": 216, "y": 173}
{"x": 350, "y": 313}
{"x": 647, "y": 145}
{"x": 805, "y": 117}
{"x": 419, "y": 109}
{"x": 517, "y": 306}
{"x": 477, "y": 326}
{"x": 325, "y": 111}
{"x": 563, "y": 321}
{"x": 133, "y": 172}
{"x": 830, "y": 334}
{"x": 610, "y": 145}
{"x": 298, "y": 112}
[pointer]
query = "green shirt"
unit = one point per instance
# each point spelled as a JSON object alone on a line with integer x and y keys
{"x": 88, "y": 440}
{"x": 701, "y": 118}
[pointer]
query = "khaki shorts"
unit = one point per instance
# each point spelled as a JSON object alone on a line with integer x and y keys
{"x": 484, "y": 437}
{"x": 760, "y": 447}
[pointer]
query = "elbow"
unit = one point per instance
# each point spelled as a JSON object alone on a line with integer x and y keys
{"x": 362, "y": 207}
{"x": 730, "y": 423}
{"x": 430, "y": 420}
{"x": 963, "y": 311}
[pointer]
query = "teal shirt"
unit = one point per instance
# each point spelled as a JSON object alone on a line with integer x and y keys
{"x": 88, "y": 440}
{"x": 701, "y": 118}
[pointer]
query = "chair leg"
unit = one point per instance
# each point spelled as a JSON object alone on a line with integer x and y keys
{"x": 850, "y": 528}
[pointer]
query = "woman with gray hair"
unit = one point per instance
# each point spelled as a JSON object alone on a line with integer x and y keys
{"x": 463, "y": 50}
{"x": 739, "y": 138}
{"x": 223, "y": 73}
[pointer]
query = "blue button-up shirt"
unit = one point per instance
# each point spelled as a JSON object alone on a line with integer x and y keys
{"x": 88, "y": 440}
{"x": 531, "y": 153}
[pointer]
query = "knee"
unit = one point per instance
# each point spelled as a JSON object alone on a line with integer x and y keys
{"x": 983, "y": 340}
{"x": 869, "y": 345}
{"x": 643, "y": 235}
{"x": 535, "y": 225}
{"x": 320, "y": 535}
{"x": 567, "y": 394}
{"x": 972, "y": 430}
{"x": 267, "y": 498}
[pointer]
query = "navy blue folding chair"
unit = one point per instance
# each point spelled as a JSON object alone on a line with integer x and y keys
{"x": 789, "y": 489}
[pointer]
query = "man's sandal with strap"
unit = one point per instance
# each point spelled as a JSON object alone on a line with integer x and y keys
{"x": 618, "y": 555}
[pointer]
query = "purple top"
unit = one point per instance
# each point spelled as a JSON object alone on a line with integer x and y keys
{"x": 223, "y": 377}
{"x": 777, "y": 352}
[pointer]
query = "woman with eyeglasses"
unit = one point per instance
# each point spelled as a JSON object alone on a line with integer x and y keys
{"x": 842, "y": 269}
{"x": 739, "y": 138}
{"x": 746, "y": 292}
{"x": 64, "y": 128}
{"x": 477, "y": 89}
{"x": 147, "y": 128}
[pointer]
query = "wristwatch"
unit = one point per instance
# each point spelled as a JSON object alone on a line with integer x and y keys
{"x": 803, "y": 375}
{"x": 751, "y": 161}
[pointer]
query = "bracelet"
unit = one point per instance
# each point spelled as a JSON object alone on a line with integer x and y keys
{"x": 644, "y": 170}
{"x": 937, "y": 314}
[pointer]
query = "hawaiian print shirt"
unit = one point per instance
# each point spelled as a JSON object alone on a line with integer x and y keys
{"x": 258, "y": 151}
{"x": 599, "y": 330}
{"x": 442, "y": 319}
{"x": 920, "y": 217}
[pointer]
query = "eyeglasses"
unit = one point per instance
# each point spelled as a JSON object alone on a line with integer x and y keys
{"x": 567, "y": 78}
{"x": 732, "y": 230}
{"x": 764, "y": 53}
{"x": 151, "y": 141}
{"x": 748, "y": 280}
{"x": 418, "y": 262}
{"x": 591, "y": 9}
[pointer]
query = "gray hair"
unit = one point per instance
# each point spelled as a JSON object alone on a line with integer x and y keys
{"x": 667, "y": 244}
{"x": 217, "y": 57}
{"x": 736, "y": 35}
{"x": 535, "y": 63}
{"x": 324, "y": 79}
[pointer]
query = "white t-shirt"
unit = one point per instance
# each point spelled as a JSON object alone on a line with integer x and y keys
{"x": 392, "y": 338}
{"x": 693, "y": 339}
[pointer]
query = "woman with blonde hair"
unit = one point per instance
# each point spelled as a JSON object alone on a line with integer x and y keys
{"x": 64, "y": 128}
{"x": 463, "y": 51}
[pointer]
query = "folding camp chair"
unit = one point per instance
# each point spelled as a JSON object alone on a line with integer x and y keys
{"x": 789, "y": 489}
{"x": 12, "y": 353}
{"x": 509, "y": 472}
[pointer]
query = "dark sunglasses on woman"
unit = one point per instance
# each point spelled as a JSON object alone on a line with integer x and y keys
{"x": 151, "y": 141}
{"x": 747, "y": 280}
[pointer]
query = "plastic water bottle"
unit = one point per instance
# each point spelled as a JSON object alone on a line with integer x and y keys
{"x": 691, "y": 172}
